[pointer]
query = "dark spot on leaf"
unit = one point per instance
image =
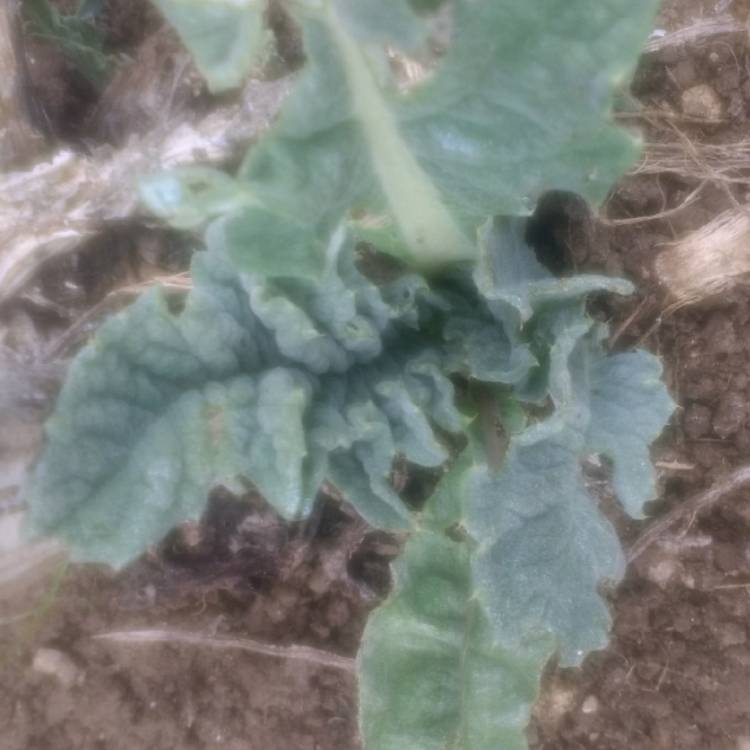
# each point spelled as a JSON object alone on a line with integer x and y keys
{"x": 557, "y": 230}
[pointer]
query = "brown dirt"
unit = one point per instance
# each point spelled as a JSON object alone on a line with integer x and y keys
{"x": 677, "y": 673}
{"x": 242, "y": 574}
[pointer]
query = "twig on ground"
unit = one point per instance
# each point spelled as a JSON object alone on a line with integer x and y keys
{"x": 615, "y": 337}
{"x": 668, "y": 115}
{"x": 685, "y": 513}
{"x": 297, "y": 653}
{"x": 689, "y": 200}
{"x": 698, "y": 32}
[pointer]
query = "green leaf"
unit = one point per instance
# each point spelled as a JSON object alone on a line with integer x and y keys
{"x": 481, "y": 349}
{"x": 226, "y": 37}
{"x": 543, "y": 547}
{"x": 260, "y": 241}
{"x": 432, "y": 675}
{"x": 539, "y": 315}
{"x": 282, "y": 385}
{"x": 454, "y": 657}
{"x": 617, "y": 403}
{"x": 188, "y": 197}
{"x": 555, "y": 334}
{"x": 514, "y": 283}
{"x": 257, "y": 239}
{"x": 521, "y": 103}
{"x": 475, "y": 140}
{"x": 629, "y": 408}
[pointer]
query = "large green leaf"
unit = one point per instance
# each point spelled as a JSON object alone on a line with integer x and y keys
{"x": 432, "y": 674}
{"x": 454, "y": 657}
{"x": 281, "y": 385}
{"x": 477, "y": 139}
{"x": 427, "y": 167}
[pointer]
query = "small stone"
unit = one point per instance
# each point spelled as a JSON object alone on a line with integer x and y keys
{"x": 731, "y": 414}
{"x": 728, "y": 558}
{"x": 731, "y": 634}
{"x": 319, "y": 582}
{"x": 50, "y": 661}
{"x": 736, "y": 109}
{"x": 338, "y": 613}
{"x": 659, "y": 706}
{"x": 702, "y": 101}
{"x": 697, "y": 421}
{"x": 662, "y": 572}
{"x": 590, "y": 705}
{"x": 728, "y": 80}
{"x": 684, "y": 73}
{"x": 554, "y": 703}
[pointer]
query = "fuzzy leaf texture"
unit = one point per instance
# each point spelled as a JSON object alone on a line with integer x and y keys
{"x": 433, "y": 677}
{"x": 463, "y": 638}
{"x": 283, "y": 385}
{"x": 287, "y": 366}
{"x": 518, "y": 105}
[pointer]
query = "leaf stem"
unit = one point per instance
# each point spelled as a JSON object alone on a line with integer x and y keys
{"x": 432, "y": 235}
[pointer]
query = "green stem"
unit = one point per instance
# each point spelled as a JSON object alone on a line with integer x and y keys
{"x": 431, "y": 233}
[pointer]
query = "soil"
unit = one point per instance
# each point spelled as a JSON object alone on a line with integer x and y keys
{"x": 677, "y": 672}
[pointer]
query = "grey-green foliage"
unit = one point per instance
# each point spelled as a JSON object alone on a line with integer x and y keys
{"x": 517, "y": 106}
{"x": 506, "y": 562}
{"x": 433, "y": 674}
{"x": 282, "y": 384}
{"x": 290, "y": 365}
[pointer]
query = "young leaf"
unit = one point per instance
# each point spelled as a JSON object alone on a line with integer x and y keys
{"x": 454, "y": 657}
{"x": 432, "y": 674}
{"x": 629, "y": 408}
{"x": 514, "y": 283}
{"x": 282, "y": 385}
{"x": 543, "y": 546}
